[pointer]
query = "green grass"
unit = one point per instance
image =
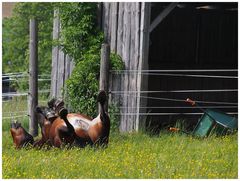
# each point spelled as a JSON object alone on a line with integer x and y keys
{"x": 128, "y": 156}
{"x": 133, "y": 155}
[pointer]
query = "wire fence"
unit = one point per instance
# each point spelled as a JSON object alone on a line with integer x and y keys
{"x": 175, "y": 96}
{"x": 15, "y": 103}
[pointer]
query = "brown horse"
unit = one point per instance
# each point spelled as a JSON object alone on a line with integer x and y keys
{"x": 57, "y": 130}
{"x": 58, "y": 127}
{"x": 21, "y": 137}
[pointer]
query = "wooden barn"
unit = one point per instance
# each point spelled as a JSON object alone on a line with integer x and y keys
{"x": 171, "y": 51}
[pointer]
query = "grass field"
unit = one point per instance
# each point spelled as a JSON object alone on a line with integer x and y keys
{"x": 133, "y": 155}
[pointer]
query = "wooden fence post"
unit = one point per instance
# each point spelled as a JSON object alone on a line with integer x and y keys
{"x": 104, "y": 69}
{"x": 33, "y": 78}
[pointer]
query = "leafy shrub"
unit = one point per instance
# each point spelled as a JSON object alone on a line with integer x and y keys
{"x": 82, "y": 86}
{"x": 79, "y": 32}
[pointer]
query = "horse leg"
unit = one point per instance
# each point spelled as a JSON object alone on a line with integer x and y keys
{"x": 65, "y": 135}
{"x": 57, "y": 142}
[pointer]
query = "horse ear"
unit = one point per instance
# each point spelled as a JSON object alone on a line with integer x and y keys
{"x": 18, "y": 124}
{"x": 12, "y": 124}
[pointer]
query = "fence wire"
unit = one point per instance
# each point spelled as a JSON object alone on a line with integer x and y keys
{"x": 203, "y": 74}
{"x": 11, "y": 77}
{"x": 15, "y": 103}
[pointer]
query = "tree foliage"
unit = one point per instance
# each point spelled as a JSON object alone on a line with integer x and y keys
{"x": 79, "y": 31}
{"x": 16, "y": 37}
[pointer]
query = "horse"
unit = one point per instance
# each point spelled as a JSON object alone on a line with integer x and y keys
{"x": 58, "y": 126}
{"x": 21, "y": 138}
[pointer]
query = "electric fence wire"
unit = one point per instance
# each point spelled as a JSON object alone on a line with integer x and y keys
{"x": 179, "y": 100}
{"x": 179, "y": 70}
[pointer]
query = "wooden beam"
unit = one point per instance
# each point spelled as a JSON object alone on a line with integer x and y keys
{"x": 114, "y": 19}
{"x": 161, "y": 16}
{"x": 142, "y": 81}
{"x": 55, "y": 54}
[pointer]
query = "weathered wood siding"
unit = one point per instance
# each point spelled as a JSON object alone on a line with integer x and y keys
{"x": 62, "y": 64}
{"x": 126, "y": 30}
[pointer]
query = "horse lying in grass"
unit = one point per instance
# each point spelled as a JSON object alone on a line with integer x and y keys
{"x": 59, "y": 127}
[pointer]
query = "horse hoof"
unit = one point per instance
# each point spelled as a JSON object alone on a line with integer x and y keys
{"x": 63, "y": 113}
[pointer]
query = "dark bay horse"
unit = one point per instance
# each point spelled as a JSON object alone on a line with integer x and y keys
{"x": 59, "y": 127}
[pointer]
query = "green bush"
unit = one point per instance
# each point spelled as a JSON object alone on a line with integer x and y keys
{"x": 79, "y": 33}
{"x": 82, "y": 86}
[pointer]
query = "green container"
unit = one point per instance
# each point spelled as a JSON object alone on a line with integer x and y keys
{"x": 214, "y": 121}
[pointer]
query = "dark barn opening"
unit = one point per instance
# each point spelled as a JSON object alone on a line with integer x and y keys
{"x": 193, "y": 36}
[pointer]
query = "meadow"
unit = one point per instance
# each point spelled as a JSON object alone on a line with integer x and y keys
{"x": 130, "y": 155}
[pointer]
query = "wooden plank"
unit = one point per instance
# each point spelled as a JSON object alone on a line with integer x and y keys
{"x": 126, "y": 57}
{"x": 123, "y": 124}
{"x": 106, "y": 15}
{"x": 143, "y": 59}
{"x": 162, "y": 15}
{"x": 136, "y": 56}
{"x": 132, "y": 62}
{"x": 117, "y": 79}
{"x": 110, "y": 23}
{"x": 61, "y": 74}
{"x": 67, "y": 67}
{"x": 67, "y": 72}
{"x": 55, "y": 54}
{"x": 66, "y": 76}
{"x": 33, "y": 77}
{"x": 114, "y": 19}
{"x": 120, "y": 28}
{"x": 124, "y": 103}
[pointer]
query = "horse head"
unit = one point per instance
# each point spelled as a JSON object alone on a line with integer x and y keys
{"x": 21, "y": 137}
